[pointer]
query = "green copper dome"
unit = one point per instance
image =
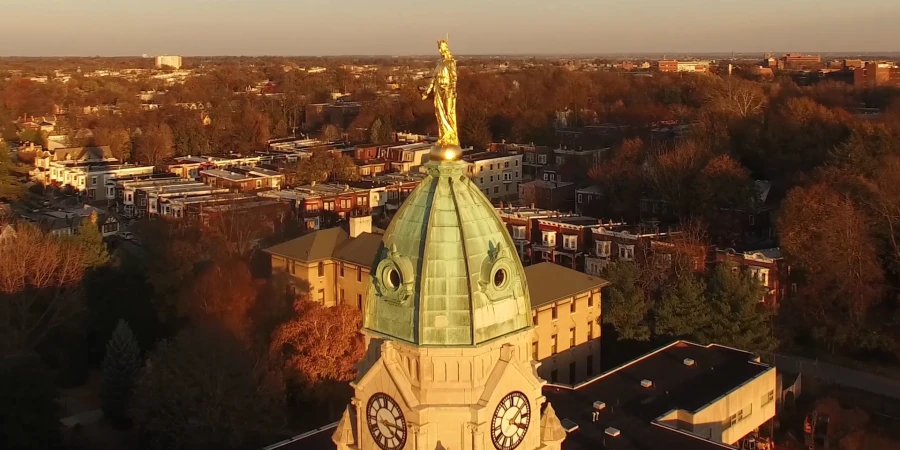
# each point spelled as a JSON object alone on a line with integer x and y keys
{"x": 447, "y": 273}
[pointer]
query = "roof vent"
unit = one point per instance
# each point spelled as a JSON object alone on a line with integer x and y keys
{"x": 599, "y": 406}
{"x": 646, "y": 383}
{"x": 613, "y": 432}
{"x": 568, "y": 425}
{"x": 688, "y": 362}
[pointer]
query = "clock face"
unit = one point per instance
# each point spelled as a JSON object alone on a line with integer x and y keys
{"x": 510, "y": 421}
{"x": 386, "y": 422}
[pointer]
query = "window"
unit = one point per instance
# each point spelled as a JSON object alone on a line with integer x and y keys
{"x": 320, "y": 295}
{"x": 359, "y": 302}
{"x": 321, "y": 269}
{"x": 507, "y": 176}
{"x": 292, "y": 267}
{"x": 342, "y": 270}
{"x": 517, "y": 163}
{"x": 553, "y": 344}
{"x": 329, "y": 206}
{"x": 766, "y": 399}
{"x": 571, "y": 337}
{"x": 359, "y": 274}
{"x": 546, "y": 177}
{"x": 590, "y": 328}
{"x": 572, "y": 307}
{"x": 534, "y": 319}
{"x": 518, "y": 232}
{"x": 93, "y": 181}
{"x": 496, "y": 189}
{"x": 626, "y": 252}
{"x": 570, "y": 242}
{"x": 542, "y": 159}
{"x": 603, "y": 248}
{"x": 553, "y": 313}
{"x": 505, "y": 164}
{"x": 492, "y": 178}
{"x": 590, "y": 301}
{"x": 534, "y": 350}
{"x": 554, "y": 376}
{"x": 258, "y": 183}
{"x": 590, "y": 365}
{"x": 481, "y": 168}
{"x": 312, "y": 207}
{"x": 580, "y": 198}
{"x": 507, "y": 188}
{"x": 362, "y": 200}
{"x": 492, "y": 167}
{"x": 548, "y": 238}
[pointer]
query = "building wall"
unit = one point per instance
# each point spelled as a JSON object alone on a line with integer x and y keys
{"x": 487, "y": 174}
{"x": 556, "y": 367}
{"x": 709, "y": 421}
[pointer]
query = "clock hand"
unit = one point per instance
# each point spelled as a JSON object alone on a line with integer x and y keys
{"x": 388, "y": 424}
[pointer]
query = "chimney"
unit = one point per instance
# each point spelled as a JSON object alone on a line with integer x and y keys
{"x": 360, "y": 225}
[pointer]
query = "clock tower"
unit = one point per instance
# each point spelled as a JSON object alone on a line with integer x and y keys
{"x": 448, "y": 328}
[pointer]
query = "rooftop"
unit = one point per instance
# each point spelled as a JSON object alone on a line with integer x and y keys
{"x": 634, "y": 409}
{"x": 550, "y": 282}
{"x": 481, "y": 156}
{"x": 572, "y": 221}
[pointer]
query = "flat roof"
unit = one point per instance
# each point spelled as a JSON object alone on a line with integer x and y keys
{"x": 481, "y": 156}
{"x": 231, "y": 176}
{"x": 581, "y": 221}
{"x": 633, "y": 409}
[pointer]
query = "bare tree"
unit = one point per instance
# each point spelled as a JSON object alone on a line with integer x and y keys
{"x": 39, "y": 287}
{"x": 737, "y": 97}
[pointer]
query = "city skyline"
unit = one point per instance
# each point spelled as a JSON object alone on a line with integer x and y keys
{"x": 406, "y": 27}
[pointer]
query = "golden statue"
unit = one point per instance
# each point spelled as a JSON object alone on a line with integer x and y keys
{"x": 443, "y": 85}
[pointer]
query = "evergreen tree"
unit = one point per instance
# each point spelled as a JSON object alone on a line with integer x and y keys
{"x": 626, "y": 305}
{"x": 123, "y": 359}
{"x": 740, "y": 320}
{"x": 90, "y": 240}
{"x": 381, "y": 132}
{"x": 683, "y": 311}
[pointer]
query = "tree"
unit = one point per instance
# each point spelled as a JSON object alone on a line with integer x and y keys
{"x": 155, "y": 144}
{"x": 319, "y": 348}
{"x": 683, "y": 311}
{"x": 626, "y": 305}
{"x": 223, "y": 293}
{"x": 828, "y": 242}
{"x": 120, "y": 367}
{"x": 29, "y": 413}
{"x": 331, "y": 133}
{"x": 381, "y": 132}
{"x": 40, "y": 279}
{"x": 90, "y": 240}
{"x": 323, "y": 165}
{"x": 206, "y": 389}
{"x": 736, "y": 97}
{"x": 740, "y": 320}
{"x": 11, "y": 187}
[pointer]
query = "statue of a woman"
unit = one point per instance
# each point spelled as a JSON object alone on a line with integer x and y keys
{"x": 443, "y": 85}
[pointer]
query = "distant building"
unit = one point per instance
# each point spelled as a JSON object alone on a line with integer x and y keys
{"x": 798, "y": 61}
{"x": 170, "y": 61}
{"x": 875, "y": 74}
{"x": 189, "y": 167}
{"x": 666, "y": 66}
{"x": 767, "y": 266}
{"x": 693, "y": 66}
{"x": 243, "y": 178}
{"x": 555, "y": 195}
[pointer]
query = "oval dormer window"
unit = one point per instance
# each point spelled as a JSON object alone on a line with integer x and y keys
{"x": 393, "y": 279}
{"x": 500, "y": 278}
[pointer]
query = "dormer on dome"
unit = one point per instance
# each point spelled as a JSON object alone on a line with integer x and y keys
{"x": 447, "y": 273}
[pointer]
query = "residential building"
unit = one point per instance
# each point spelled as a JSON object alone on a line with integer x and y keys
{"x": 87, "y": 170}
{"x": 189, "y": 167}
{"x": 564, "y": 240}
{"x": 319, "y": 206}
{"x": 66, "y": 222}
{"x": 193, "y": 207}
{"x": 497, "y": 174}
{"x": 522, "y": 225}
{"x": 126, "y": 200}
{"x": 682, "y": 396}
{"x": 406, "y": 157}
{"x": 768, "y": 266}
{"x": 243, "y": 178}
{"x": 43, "y": 159}
{"x": 589, "y": 201}
{"x": 614, "y": 242}
{"x": 555, "y": 195}
{"x": 168, "y": 61}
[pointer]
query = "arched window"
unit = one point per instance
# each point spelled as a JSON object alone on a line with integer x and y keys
{"x": 321, "y": 269}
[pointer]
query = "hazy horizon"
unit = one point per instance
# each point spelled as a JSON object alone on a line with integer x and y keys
{"x": 408, "y": 27}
